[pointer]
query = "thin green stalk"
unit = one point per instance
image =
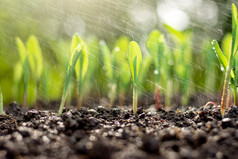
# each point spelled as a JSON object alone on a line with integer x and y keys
{"x": 122, "y": 98}
{"x": 25, "y": 96}
{"x": 73, "y": 59}
{"x": 25, "y": 100}
{"x": 134, "y": 60}
{"x": 135, "y": 98}
{"x": 225, "y": 89}
{"x": 79, "y": 95}
{"x": 1, "y": 102}
{"x": 112, "y": 94}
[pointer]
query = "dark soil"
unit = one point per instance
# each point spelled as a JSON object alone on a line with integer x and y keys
{"x": 102, "y": 133}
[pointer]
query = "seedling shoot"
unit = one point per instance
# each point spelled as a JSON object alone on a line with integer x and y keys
{"x": 69, "y": 72}
{"x": 134, "y": 59}
{"x": 229, "y": 64}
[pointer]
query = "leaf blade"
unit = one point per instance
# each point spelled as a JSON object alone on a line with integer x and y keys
{"x": 134, "y": 59}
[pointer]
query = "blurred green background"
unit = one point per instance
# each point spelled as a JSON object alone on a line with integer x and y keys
{"x": 55, "y": 22}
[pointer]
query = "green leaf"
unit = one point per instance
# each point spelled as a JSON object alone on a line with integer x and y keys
{"x": 177, "y": 34}
{"x": 82, "y": 63}
{"x": 221, "y": 56}
{"x": 226, "y": 45}
{"x": 72, "y": 62}
{"x": 17, "y": 75}
{"x": 234, "y": 30}
{"x": 107, "y": 59}
{"x": 134, "y": 58}
{"x": 35, "y": 56}
{"x": 25, "y": 66}
{"x": 154, "y": 40}
{"x": 21, "y": 50}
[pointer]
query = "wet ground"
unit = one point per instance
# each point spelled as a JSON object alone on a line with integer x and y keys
{"x": 116, "y": 133}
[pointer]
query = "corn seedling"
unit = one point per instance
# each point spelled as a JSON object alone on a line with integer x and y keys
{"x": 182, "y": 58}
{"x": 134, "y": 59}
{"x": 1, "y": 102}
{"x": 155, "y": 45}
{"x": 109, "y": 65}
{"x": 35, "y": 60}
{"x": 81, "y": 67}
{"x": 229, "y": 63}
{"x": 25, "y": 67}
{"x": 71, "y": 67}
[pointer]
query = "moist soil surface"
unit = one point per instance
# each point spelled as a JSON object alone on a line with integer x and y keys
{"x": 102, "y": 133}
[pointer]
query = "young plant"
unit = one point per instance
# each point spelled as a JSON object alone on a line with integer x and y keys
{"x": 1, "y": 102}
{"x": 229, "y": 64}
{"x": 155, "y": 45}
{"x": 109, "y": 64}
{"x": 134, "y": 59}
{"x": 35, "y": 60}
{"x": 80, "y": 68}
{"x": 71, "y": 67}
{"x": 182, "y": 58}
{"x": 25, "y": 67}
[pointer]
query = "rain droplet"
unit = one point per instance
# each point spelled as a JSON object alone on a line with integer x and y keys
{"x": 156, "y": 72}
{"x": 222, "y": 68}
{"x": 117, "y": 49}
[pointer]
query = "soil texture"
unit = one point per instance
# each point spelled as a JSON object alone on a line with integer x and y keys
{"x": 102, "y": 133}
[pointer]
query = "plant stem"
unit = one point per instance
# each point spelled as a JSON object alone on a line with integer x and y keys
{"x": 168, "y": 93}
{"x": 122, "y": 98}
{"x": 135, "y": 96}
{"x": 157, "y": 98}
{"x": 25, "y": 100}
{"x": 37, "y": 94}
{"x": 79, "y": 95}
{"x": 112, "y": 94}
{"x": 225, "y": 90}
{"x": 62, "y": 103}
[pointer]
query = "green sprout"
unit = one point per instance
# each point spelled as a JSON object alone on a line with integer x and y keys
{"x": 1, "y": 102}
{"x": 134, "y": 59}
{"x": 230, "y": 62}
{"x": 69, "y": 72}
{"x": 182, "y": 58}
{"x": 155, "y": 45}
{"x": 25, "y": 67}
{"x": 109, "y": 64}
{"x": 35, "y": 59}
{"x": 80, "y": 68}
